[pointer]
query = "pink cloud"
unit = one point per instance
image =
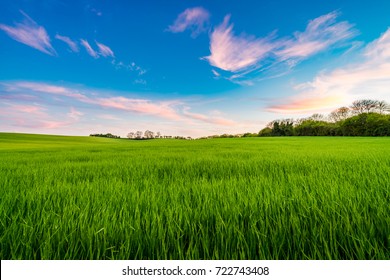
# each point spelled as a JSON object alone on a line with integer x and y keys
{"x": 304, "y": 103}
{"x": 31, "y": 34}
{"x": 89, "y": 49}
{"x": 172, "y": 110}
{"x": 31, "y": 109}
{"x": 242, "y": 55}
{"x": 236, "y": 53}
{"x": 369, "y": 78}
{"x": 320, "y": 34}
{"x": 164, "y": 109}
{"x": 72, "y": 44}
{"x": 74, "y": 114}
{"x": 46, "y": 88}
{"x": 208, "y": 119}
{"x": 104, "y": 50}
{"x": 195, "y": 19}
{"x": 233, "y": 53}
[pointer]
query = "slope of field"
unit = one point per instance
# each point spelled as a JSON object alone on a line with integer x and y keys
{"x": 253, "y": 198}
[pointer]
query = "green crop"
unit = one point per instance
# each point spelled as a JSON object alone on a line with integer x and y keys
{"x": 249, "y": 198}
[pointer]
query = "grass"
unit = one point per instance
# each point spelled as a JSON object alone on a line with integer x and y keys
{"x": 253, "y": 198}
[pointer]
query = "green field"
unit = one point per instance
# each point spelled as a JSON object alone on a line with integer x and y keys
{"x": 249, "y": 198}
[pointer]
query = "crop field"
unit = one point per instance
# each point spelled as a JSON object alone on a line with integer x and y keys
{"x": 246, "y": 198}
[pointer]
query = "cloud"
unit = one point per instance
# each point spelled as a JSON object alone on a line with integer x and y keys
{"x": 105, "y": 50}
{"x": 208, "y": 119}
{"x": 196, "y": 19}
{"x": 109, "y": 117}
{"x": 216, "y": 74}
{"x": 173, "y": 110}
{"x": 89, "y": 49}
{"x": 248, "y": 59}
{"x": 236, "y": 53}
{"x": 369, "y": 78}
{"x": 72, "y": 44}
{"x": 74, "y": 114}
{"x": 133, "y": 67}
{"x": 28, "y": 32}
{"x": 320, "y": 34}
{"x": 163, "y": 109}
{"x": 140, "y": 81}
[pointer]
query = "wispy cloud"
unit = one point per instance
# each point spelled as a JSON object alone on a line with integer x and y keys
{"x": 320, "y": 34}
{"x": 72, "y": 44}
{"x": 173, "y": 110}
{"x": 195, "y": 19}
{"x": 28, "y": 32}
{"x": 369, "y": 77}
{"x": 208, "y": 118}
{"x": 74, "y": 114}
{"x": 89, "y": 49}
{"x": 30, "y": 117}
{"x": 216, "y": 74}
{"x": 247, "y": 59}
{"x": 133, "y": 67}
{"x": 163, "y": 109}
{"x": 236, "y": 53}
{"x": 104, "y": 50}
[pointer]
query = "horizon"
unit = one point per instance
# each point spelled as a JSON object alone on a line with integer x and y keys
{"x": 187, "y": 68}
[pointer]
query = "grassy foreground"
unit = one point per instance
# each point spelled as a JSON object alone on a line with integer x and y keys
{"x": 251, "y": 198}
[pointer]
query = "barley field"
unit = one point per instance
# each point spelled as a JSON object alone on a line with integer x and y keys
{"x": 247, "y": 198}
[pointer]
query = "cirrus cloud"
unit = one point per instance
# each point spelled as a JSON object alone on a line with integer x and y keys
{"x": 245, "y": 58}
{"x": 370, "y": 76}
{"x": 105, "y": 50}
{"x": 235, "y": 53}
{"x": 71, "y": 44}
{"x": 196, "y": 19}
{"x": 89, "y": 49}
{"x": 28, "y": 32}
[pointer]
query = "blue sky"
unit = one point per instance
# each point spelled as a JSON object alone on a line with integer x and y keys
{"x": 189, "y": 68}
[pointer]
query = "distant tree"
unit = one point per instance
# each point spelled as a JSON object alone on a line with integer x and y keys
{"x": 138, "y": 134}
{"x": 158, "y": 134}
{"x": 149, "y": 134}
{"x": 340, "y": 114}
{"x": 107, "y": 135}
{"x": 364, "y": 106}
{"x": 265, "y": 132}
{"x": 317, "y": 117}
{"x": 382, "y": 107}
{"x": 131, "y": 135}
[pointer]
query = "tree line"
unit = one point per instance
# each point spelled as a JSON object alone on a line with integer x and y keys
{"x": 362, "y": 118}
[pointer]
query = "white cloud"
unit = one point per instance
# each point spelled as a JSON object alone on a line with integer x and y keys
{"x": 105, "y": 50}
{"x": 31, "y": 34}
{"x": 72, "y": 44}
{"x": 196, "y": 19}
{"x": 320, "y": 34}
{"x": 89, "y": 49}
{"x": 74, "y": 114}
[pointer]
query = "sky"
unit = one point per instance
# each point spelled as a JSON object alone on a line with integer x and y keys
{"x": 187, "y": 68}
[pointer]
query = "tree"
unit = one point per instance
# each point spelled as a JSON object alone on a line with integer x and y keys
{"x": 138, "y": 134}
{"x": 340, "y": 114}
{"x": 364, "y": 106}
{"x": 131, "y": 135}
{"x": 382, "y": 107}
{"x": 158, "y": 134}
{"x": 149, "y": 134}
{"x": 317, "y": 117}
